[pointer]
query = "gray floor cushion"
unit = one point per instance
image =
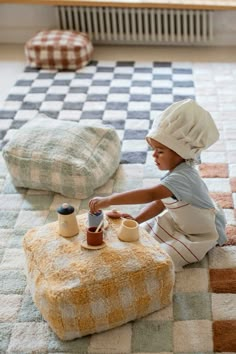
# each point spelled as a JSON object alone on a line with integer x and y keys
{"x": 62, "y": 156}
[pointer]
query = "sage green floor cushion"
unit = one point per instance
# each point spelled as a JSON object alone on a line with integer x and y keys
{"x": 62, "y": 156}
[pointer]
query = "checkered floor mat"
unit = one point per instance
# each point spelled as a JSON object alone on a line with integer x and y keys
{"x": 125, "y": 95}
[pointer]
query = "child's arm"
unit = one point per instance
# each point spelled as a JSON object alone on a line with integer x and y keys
{"x": 137, "y": 196}
{"x": 150, "y": 211}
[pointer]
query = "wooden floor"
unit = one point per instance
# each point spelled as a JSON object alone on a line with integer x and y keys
{"x": 174, "y": 4}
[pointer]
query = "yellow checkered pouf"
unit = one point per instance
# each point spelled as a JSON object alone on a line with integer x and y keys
{"x": 56, "y": 49}
{"x": 80, "y": 291}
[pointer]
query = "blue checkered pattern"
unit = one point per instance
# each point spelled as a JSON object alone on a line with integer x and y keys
{"x": 125, "y": 95}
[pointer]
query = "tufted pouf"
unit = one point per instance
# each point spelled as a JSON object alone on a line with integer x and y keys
{"x": 62, "y": 156}
{"x": 80, "y": 291}
{"x": 55, "y": 49}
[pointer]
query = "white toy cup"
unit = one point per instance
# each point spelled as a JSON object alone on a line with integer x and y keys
{"x": 129, "y": 230}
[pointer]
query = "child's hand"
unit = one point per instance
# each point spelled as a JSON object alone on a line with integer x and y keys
{"x": 98, "y": 203}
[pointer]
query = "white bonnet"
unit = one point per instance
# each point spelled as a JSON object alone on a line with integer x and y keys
{"x": 186, "y": 128}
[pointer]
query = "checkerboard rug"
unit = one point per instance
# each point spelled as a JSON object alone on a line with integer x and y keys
{"x": 126, "y": 95}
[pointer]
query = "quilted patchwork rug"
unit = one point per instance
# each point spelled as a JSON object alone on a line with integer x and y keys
{"x": 127, "y": 96}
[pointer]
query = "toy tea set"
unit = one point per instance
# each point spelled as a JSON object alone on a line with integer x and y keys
{"x": 96, "y": 223}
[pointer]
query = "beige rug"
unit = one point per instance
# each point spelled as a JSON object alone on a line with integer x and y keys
{"x": 202, "y": 316}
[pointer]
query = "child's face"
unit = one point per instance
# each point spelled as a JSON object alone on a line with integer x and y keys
{"x": 165, "y": 158}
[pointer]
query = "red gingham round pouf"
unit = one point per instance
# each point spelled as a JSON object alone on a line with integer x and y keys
{"x": 55, "y": 49}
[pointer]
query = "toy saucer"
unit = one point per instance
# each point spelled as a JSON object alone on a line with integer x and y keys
{"x": 88, "y": 247}
{"x": 105, "y": 225}
{"x": 113, "y": 214}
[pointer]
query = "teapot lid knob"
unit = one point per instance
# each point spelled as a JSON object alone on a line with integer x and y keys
{"x": 65, "y": 209}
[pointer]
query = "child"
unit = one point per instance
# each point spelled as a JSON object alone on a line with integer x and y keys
{"x": 190, "y": 223}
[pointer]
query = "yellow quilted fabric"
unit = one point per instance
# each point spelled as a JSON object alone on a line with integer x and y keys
{"x": 80, "y": 291}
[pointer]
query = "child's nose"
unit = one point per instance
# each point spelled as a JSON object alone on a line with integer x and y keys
{"x": 154, "y": 153}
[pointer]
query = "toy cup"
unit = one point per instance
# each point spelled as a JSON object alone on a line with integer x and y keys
{"x": 94, "y": 238}
{"x": 95, "y": 219}
{"x": 129, "y": 230}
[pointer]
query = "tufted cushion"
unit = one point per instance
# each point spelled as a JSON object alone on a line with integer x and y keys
{"x": 56, "y": 49}
{"x": 80, "y": 292}
{"x": 62, "y": 156}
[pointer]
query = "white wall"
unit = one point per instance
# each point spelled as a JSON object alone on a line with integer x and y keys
{"x": 20, "y": 22}
{"x": 225, "y": 27}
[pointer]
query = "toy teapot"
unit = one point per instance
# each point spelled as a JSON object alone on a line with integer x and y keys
{"x": 67, "y": 222}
